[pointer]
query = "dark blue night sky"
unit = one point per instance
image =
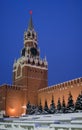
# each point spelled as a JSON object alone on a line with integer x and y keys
{"x": 59, "y": 27}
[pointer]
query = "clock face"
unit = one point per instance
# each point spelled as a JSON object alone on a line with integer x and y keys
{"x": 33, "y": 51}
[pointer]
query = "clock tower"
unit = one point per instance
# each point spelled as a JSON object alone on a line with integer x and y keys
{"x": 30, "y": 71}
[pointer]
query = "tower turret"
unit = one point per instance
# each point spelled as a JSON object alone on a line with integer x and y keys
{"x": 30, "y": 71}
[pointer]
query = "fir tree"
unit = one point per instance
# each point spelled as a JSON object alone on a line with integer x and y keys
{"x": 78, "y": 104}
{"x": 33, "y": 109}
{"x": 70, "y": 104}
{"x": 81, "y": 101}
{"x": 52, "y": 106}
{"x": 63, "y": 105}
{"x": 28, "y": 108}
{"x": 40, "y": 109}
{"x": 46, "y": 109}
{"x": 59, "y": 106}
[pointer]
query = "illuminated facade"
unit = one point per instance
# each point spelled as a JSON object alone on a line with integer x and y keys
{"x": 30, "y": 80}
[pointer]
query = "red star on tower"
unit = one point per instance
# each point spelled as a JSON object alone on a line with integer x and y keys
{"x": 30, "y": 12}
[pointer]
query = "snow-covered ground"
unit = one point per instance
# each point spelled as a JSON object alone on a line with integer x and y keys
{"x": 72, "y": 121}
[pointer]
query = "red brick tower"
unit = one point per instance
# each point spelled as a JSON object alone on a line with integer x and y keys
{"x": 30, "y": 71}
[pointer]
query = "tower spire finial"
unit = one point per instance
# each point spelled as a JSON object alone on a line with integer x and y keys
{"x": 30, "y": 12}
{"x": 30, "y": 25}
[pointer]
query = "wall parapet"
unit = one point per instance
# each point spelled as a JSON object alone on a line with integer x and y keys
{"x": 62, "y": 86}
{"x": 14, "y": 87}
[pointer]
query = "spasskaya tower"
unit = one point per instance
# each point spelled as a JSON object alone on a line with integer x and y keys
{"x": 30, "y": 80}
{"x": 30, "y": 72}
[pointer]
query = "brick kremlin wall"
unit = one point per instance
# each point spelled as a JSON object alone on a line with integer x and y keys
{"x": 60, "y": 90}
{"x": 12, "y": 98}
{"x": 2, "y": 97}
{"x": 15, "y": 99}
